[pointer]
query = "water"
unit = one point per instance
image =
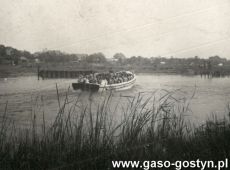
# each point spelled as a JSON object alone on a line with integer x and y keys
{"x": 26, "y": 95}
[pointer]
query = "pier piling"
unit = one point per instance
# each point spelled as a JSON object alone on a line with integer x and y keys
{"x": 61, "y": 74}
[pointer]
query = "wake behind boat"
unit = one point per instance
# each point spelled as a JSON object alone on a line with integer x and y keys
{"x": 122, "y": 80}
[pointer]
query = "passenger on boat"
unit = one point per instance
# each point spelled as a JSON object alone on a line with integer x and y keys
{"x": 111, "y": 78}
{"x": 85, "y": 80}
{"x": 80, "y": 79}
{"x": 120, "y": 80}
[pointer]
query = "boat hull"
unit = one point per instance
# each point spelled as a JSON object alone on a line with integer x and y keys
{"x": 119, "y": 86}
{"x": 86, "y": 87}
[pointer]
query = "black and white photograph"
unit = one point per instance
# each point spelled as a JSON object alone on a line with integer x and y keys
{"x": 114, "y": 84}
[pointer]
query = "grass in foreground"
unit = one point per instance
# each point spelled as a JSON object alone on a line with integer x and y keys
{"x": 87, "y": 138}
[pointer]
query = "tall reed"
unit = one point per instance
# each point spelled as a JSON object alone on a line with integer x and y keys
{"x": 90, "y": 137}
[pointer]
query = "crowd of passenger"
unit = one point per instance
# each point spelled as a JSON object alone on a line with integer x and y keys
{"x": 109, "y": 78}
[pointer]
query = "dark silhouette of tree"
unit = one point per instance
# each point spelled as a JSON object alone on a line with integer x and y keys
{"x": 120, "y": 57}
{"x": 56, "y": 56}
{"x": 13, "y": 55}
{"x": 96, "y": 58}
{"x": 2, "y": 51}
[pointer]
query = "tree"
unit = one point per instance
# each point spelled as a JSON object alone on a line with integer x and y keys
{"x": 2, "y": 51}
{"x": 120, "y": 57}
{"x": 55, "y": 56}
{"x": 96, "y": 58}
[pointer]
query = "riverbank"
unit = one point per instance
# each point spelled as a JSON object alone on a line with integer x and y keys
{"x": 87, "y": 138}
{"x": 23, "y": 70}
{"x": 20, "y": 70}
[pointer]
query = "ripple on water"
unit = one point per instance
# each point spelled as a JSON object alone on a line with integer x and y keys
{"x": 27, "y": 94}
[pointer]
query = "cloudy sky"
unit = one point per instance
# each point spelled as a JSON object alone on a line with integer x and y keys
{"x": 179, "y": 28}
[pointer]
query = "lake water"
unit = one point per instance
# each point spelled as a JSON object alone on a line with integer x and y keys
{"x": 26, "y": 95}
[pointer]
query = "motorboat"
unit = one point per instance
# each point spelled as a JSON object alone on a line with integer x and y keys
{"x": 127, "y": 78}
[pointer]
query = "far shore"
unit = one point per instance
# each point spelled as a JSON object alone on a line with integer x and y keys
{"x": 17, "y": 71}
{"x": 7, "y": 71}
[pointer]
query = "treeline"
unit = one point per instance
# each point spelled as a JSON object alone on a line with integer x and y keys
{"x": 12, "y": 55}
{"x": 56, "y": 56}
{"x": 212, "y": 66}
{"x": 154, "y": 61}
{"x": 9, "y": 55}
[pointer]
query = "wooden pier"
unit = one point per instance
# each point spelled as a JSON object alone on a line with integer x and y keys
{"x": 211, "y": 74}
{"x": 62, "y": 74}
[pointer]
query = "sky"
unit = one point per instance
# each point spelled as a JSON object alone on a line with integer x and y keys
{"x": 149, "y": 28}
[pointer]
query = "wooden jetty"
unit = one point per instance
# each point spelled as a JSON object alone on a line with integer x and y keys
{"x": 62, "y": 73}
{"x": 208, "y": 71}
